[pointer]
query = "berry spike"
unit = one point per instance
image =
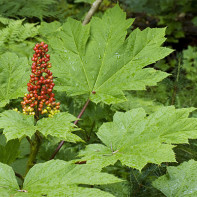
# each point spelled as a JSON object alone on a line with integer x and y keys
{"x": 40, "y": 99}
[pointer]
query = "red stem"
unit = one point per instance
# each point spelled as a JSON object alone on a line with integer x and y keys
{"x": 76, "y": 121}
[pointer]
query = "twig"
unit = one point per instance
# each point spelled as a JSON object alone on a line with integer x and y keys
{"x": 76, "y": 121}
{"x": 91, "y": 12}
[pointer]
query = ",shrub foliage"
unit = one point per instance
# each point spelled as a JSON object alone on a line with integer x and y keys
{"x": 122, "y": 137}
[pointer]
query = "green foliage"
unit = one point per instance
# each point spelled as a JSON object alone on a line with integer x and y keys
{"x": 8, "y": 151}
{"x": 135, "y": 101}
{"x": 179, "y": 181}
{"x": 49, "y": 28}
{"x": 16, "y": 31}
{"x": 56, "y": 178}
{"x": 59, "y": 126}
{"x": 8, "y": 183}
{"x": 18, "y": 125}
{"x": 170, "y": 13}
{"x": 190, "y": 63}
{"x": 85, "y": 1}
{"x": 136, "y": 140}
{"x": 97, "y": 58}
{"x": 15, "y": 36}
{"x": 120, "y": 189}
{"x": 13, "y": 77}
{"x": 105, "y": 62}
{"x": 27, "y": 8}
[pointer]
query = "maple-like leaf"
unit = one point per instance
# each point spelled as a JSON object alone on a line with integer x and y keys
{"x": 98, "y": 60}
{"x": 8, "y": 182}
{"x": 13, "y": 77}
{"x": 60, "y": 126}
{"x": 136, "y": 139}
{"x": 18, "y": 125}
{"x": 179, "y": 181}
{"x": 58, "y": 178}
{"x": 9, "y": 151}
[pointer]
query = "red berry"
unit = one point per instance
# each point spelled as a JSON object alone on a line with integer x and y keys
{"x": 52, "y": 95}
{"x": 48, "y": 80}
{"x": 49, "y": 90}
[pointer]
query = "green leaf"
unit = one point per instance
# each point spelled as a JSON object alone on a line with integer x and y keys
{"x": 59, "y": 126}
{"x": 49, "y": 28}
{"x": 60, "y": 178}
{"x": 8, "y": 183}
{"x": 16, "y": 124}
{"x": 98, "y": 57}
{"x": 57, "y": 178}
{"x": 135, "y": 101}
{"x": 121, "y": 189}
{"x": 85, "y": 1}
{"x": 9, "y": 152}
{"x": 179, "y": 181}
{"x": 136, "y": 139}
{"x": 13, "y": 77}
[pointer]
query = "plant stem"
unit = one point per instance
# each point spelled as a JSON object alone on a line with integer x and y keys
{"x": 76, "y": 121}
{"x": 91, "y": 12}
{"x": 34, "y": 145}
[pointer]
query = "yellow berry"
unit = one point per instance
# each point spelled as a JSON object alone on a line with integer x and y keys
{"x": 31, "y": 109}
{"x": 44, "y": 111}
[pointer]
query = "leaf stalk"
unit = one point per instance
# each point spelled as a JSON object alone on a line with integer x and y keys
{"x": 76, "y": 121}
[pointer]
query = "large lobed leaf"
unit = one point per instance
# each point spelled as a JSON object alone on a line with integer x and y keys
{"x": 136, "y": 139}
{"x": 8, "y": 183}
{"x": 13, "y": 77}
{"x": 97, "y": 60}
{"x": 59, "y": 126}
{"x": 179, "y": 181}
{"x": 8, "y": 151}
{"x": 18, "y": 125}
{"x": 57, "y": 178}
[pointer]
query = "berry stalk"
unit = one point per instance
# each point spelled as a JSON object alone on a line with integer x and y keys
{"x": 40, "y": 99}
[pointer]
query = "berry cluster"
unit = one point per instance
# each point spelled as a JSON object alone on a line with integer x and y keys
{"x": 40, "y": 98}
